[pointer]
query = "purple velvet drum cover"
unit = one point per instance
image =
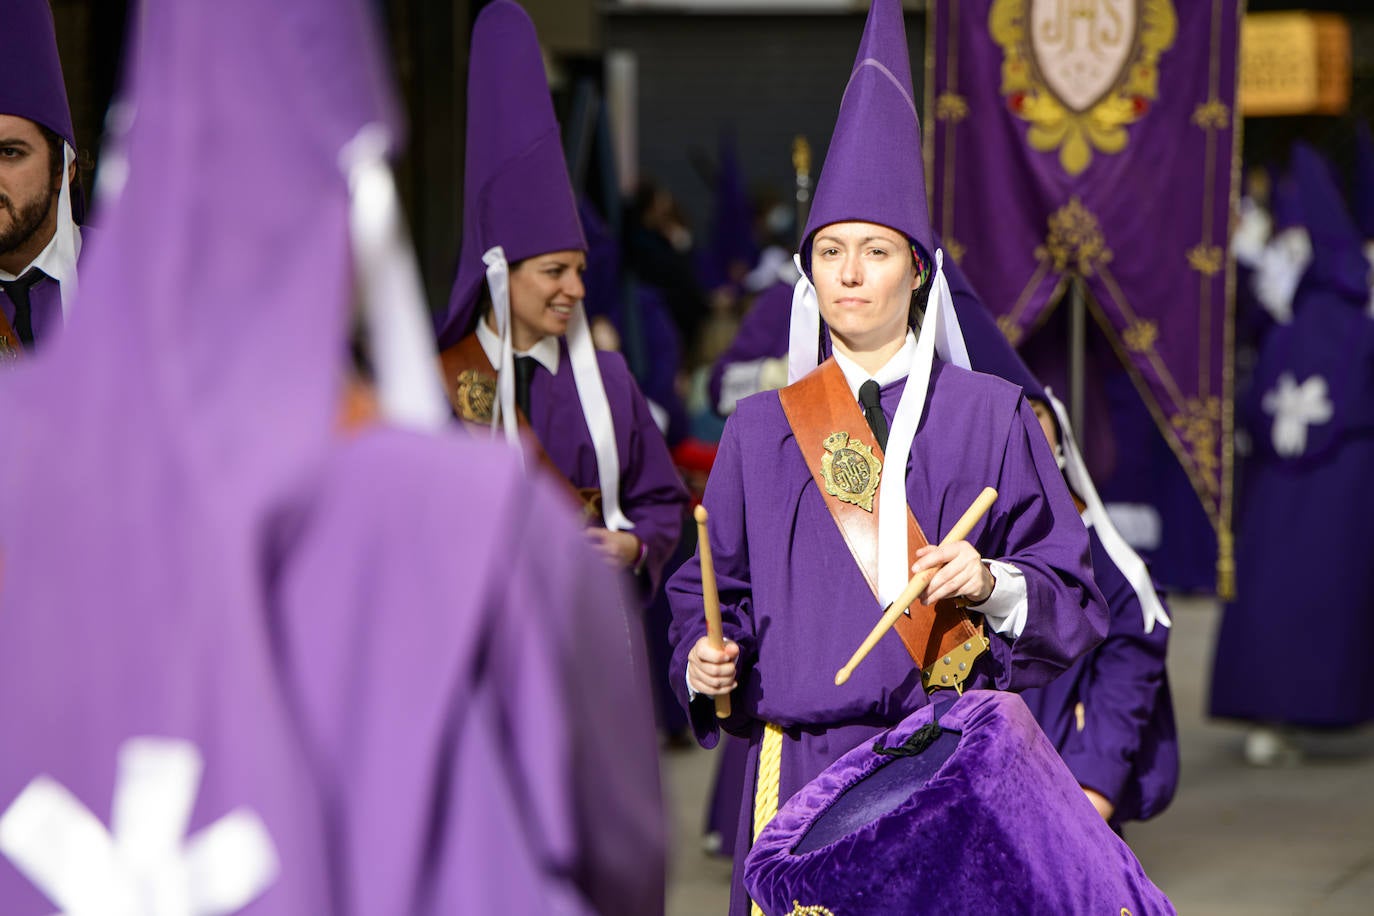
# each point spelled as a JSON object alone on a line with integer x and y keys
{"x": 982, "y": 817}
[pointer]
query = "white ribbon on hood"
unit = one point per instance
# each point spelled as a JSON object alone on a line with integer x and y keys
{"x": 66, "y": 243}
{"x": 400, "y": 335}
{"x": 939, "y": 334}
{"x": 1096, "y": 517}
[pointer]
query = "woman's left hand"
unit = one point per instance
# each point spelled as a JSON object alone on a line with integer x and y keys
{"x": 620, "y": 548}
{"x": 962, "y": 574}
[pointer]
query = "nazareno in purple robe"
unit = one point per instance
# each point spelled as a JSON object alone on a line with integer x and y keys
{"x": 371, "y": 651}
{"x": 1125, "y": 746}
{"x": 1306, "y": 501}
{"x": 796, "y": 603}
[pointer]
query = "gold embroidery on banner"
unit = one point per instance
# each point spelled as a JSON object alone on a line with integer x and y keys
{"x": 851, "y": 470}
{"x": 799, "y": 910}
{"x": 1141, "y": 335}
{"x": 1010, "y": 329}
{"x": 951, "y": 106}
{"x": 8, "y": 353}
{"x": 1212, "y": 114}
{"x": 475, "y": 395}
{"x": 1205, "y": 259}
{"x": 1075, "y": 240}
{"x": 955, "y": 249}
{"x": 1197, "y": 423}
{"x": 1096, "y": 75}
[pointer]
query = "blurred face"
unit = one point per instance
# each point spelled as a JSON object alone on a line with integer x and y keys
{"x": 543, "y": 291}
{"x": 864, "y": 277}
{"x": 28, "y": 190}
{"x": 1046, "y": 418}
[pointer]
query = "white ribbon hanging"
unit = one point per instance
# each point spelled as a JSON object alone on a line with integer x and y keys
{"x": 596, "y": 409}
{"x": 498, "y": 283}
{"x": 400, "y": 335}
{"x": 803, "y": 335}
{"x": 940, "y": 334}
{"x": 1096, "y": 517}
{"x": 66, "y": 240}
{"x": 142, "y": 866}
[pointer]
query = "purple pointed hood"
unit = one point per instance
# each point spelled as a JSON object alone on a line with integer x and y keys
{"x": 873, "y": 170}
{"x": 732, "y": 222}
{"x": 1338, "y": 261}
{"x": 516, "y": 190}
{"x": 1364, "y": 179}
{"x": 31, "y": 83}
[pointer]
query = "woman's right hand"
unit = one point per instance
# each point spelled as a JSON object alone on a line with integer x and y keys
{"x": 712, "y": 671}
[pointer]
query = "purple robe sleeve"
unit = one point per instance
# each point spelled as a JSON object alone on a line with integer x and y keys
{"x": 1037, "y": 521}
{"x": 1122, "y": 685}
{"x": 724, "y": 499}
{"x": 652, "y": 494}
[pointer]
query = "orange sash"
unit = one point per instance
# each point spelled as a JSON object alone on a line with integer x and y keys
{"x": 470, "y": 383}
{"x": 11, "y": 348}
{"x": 818, "y": 407}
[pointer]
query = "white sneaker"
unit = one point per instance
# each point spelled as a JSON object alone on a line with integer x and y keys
{"x": 1266, "y": 746}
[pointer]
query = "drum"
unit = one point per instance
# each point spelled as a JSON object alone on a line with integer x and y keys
{"x": 975, "y": 813}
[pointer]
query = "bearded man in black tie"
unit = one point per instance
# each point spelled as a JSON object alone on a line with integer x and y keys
{"x": 40, "y": 201}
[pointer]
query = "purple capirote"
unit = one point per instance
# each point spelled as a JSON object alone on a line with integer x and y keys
{"x": 516, "y": 190}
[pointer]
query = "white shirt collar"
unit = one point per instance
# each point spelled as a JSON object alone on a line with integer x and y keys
{"x": 49, "y": 261}
{"x": 898, "y": 367}
{"x": 545, "y": 352}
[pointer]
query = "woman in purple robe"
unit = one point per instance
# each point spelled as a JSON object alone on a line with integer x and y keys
{"x": 794, "y": 599}
{"x": 517, "y": 349}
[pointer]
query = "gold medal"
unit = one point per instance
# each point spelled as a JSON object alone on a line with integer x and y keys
{"x": 475, "y": 395}
{"x": 851, "y": 470}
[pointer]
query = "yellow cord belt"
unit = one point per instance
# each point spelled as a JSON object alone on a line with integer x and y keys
{"x": 766, "y": 786}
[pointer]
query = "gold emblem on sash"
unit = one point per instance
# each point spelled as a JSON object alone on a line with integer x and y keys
{"x": 475, "y": 395}
{"x": 851, "y": 470}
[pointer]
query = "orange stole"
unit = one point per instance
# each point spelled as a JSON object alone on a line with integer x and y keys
{"x": 470, "y": 383}
{"x": 817, "y": 407}
{"x": 11, "y": 347}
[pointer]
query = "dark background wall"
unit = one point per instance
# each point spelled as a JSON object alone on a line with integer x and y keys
{"x": 768, "y": 78}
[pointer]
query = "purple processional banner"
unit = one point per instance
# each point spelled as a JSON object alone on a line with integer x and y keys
{"x": 1098, "y": 139}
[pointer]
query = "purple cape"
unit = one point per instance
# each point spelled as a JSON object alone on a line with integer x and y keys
{"x": 794, "y": 600}
{"x": 374, "y": 645}
{"x": 986, "y": 820}
{"x": 1127, "y": 745}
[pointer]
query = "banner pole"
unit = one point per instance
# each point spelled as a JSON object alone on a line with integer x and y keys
{"x": 1078, "y": 341}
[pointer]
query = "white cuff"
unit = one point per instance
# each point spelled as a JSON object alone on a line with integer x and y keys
{"x": 691, "y": 694}
{"x": 1005, "y": 609}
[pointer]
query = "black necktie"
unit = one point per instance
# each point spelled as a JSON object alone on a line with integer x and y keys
{"x": 524, "y": 371}
{"x": 873, "y": 412}
{"x": 18, "y": 291}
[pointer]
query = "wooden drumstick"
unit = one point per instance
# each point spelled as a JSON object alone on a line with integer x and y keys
{"x": 711, "y": 597}
{"x": 917, "y": 584}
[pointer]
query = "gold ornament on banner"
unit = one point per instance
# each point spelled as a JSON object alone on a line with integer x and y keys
{"x": 1081, "y": 71}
